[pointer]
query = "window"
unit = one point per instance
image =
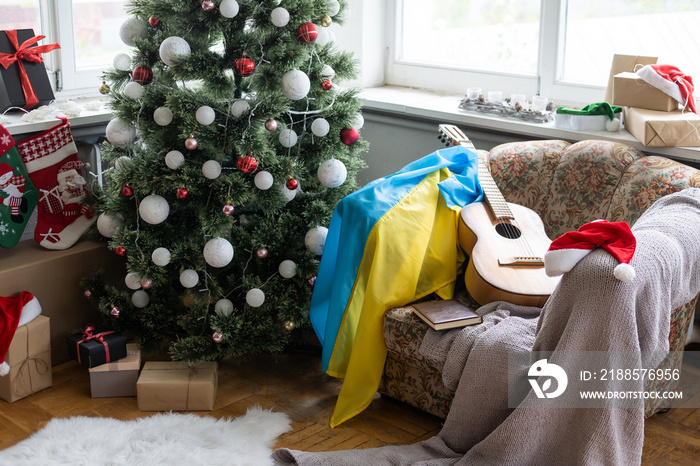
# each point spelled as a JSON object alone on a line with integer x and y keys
{"x": 87, "y": 30}
{"x": 557, "y": 48}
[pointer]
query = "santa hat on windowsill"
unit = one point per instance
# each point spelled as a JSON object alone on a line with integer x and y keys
{"x": 671, "y": 81}
{"x": 615, "y": 237}
{"x": 14, "y": 312}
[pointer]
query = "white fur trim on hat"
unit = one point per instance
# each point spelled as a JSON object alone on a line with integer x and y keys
{"x": 4, "y": 369}
{"x": 65, "y": 174}
{"x": 559, "y": 261}
{"x": 651, "y": 77}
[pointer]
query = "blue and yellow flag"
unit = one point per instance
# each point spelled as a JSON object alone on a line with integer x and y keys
{"x": 389, "y": 243}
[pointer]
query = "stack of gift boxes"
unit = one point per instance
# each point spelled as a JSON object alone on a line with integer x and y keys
{"x": 115, "y": 370}
{"x": 659, "y": 109}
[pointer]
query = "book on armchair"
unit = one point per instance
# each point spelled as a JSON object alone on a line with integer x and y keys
{"x": 446, "y": 314}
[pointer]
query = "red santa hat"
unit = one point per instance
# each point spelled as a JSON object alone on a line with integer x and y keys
{"x": 70, "y": 169}
{"x": 14, "y": 311}
{"x": 671, "y": 81}
{"x": 615, "y": 237}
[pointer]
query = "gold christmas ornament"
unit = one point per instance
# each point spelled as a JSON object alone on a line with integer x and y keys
{"x": 326, "y": 21}
{"x": 104, "y": 88}
{"x": 289, "y": 325}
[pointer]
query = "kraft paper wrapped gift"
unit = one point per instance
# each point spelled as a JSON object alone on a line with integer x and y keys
{"x": 117, "y": 378}
{"x": 29, "y": 358}
{"x": 621, "y": 63}
{"x": 629, "y": 90}
{"x": 663, "y": 129}
{"x": 174, "y": 386}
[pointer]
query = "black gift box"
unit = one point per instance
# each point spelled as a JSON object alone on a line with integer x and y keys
{"x": 11, "y": 92}
{"x": 92, "y": 352}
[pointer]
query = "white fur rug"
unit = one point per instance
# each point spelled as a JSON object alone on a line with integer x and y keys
{"x": 163, "y": 439}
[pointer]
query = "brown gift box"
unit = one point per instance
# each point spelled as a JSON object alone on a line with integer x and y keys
{"x": 629, "y": 90}
{"x": 117, "y": 378}
{"x": 663, "y": 129}
{"x": 29, "y": 358}
{"x": 172, "y": 386}
{"x": 621, "y": 63}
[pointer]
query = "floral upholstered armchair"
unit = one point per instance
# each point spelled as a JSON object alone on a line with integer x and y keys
{"x": 567, "y": 185}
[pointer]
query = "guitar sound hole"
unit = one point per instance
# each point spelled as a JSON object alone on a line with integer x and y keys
{"x": 508, "y": 231}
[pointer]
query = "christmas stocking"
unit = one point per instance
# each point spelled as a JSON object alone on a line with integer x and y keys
{"x": 14, "y": 311}
{"x": 51, "y": 159}
{"x": 18, "y": 196}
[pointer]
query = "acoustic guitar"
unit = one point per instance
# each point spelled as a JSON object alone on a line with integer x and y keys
{"x": 505, "y": 242}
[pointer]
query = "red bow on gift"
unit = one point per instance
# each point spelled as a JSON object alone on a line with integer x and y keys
{"x": 88, "y": 335}
{"x": 24, "y": 52}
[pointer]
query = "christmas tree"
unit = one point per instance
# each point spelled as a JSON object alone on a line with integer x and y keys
{"x": 231, "y": 144}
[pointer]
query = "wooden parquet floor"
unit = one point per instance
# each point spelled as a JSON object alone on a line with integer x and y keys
{"x": 293, "y": 383}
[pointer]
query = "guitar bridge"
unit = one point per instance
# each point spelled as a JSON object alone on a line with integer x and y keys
{"x": 522, "y": 261}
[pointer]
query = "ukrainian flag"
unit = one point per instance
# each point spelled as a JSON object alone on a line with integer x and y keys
{"x": 389, "y": 243}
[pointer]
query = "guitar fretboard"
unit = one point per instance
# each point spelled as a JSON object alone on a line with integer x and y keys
{"x": 494, "y": 198}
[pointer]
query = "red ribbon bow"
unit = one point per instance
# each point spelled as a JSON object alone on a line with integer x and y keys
{"x": 88, "y": 335}
{"x": 25, "y": 52}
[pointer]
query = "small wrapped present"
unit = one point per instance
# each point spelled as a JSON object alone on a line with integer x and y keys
{"x": 23, "y": 79}
{"x": 117, "y": 378}
{"x": 93, "y": 348}
{"x": 663, "y": 129}
{"x": 172, "y": 386}
{"x": 629, "y": 90}
{"x": 29, "y": 358}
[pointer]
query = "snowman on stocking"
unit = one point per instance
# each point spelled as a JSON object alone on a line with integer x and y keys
{"x": 51, "y": 160}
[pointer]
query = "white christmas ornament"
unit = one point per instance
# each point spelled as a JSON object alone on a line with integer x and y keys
{"x": 134, "y": 90}
{"x": 154, "y": 209}
{"x": 279, "y": 17}
{"x": 211, "y": 169}
{"x": 119, "y": 132}
{"x": 288, "y": 138}
{"x": 255, "y": 297}
{"x": 122, "y": 62}
{"x": 172, "y": 48}
{"x": 288, "y": 194}
{"x": 323, "y": 37}
{"x": 131, "y": 29}
{"x": 320, "y": 127}
{"x": 327, "y": 72}
{"x": 133, "y": 280}
{"x": 315, "y": 240}
{"x": 189, "y": 278}
{"x": 161, "y": 256}
{"x": 358, "y": 122}
{"x": 332, "y": 173}
{"x": 223, "y": 307}
{"x": 333, "y": 7}
{"x": 122, "y": 162}
{"x": 287, "y": 269}
{"x": 205, "y": 115}
{"x": 229, "y": 8}
{"x": 295, "y": 84}
{"x": 218, "y": 252}
{"x": 163, "y": 116}
{"x": 174, "y": 159}
{"x": 107, "y": 224}
{"x": 239, "y": 107}
{"x": 263, "y": 180}
{"x": 140, "y": 299}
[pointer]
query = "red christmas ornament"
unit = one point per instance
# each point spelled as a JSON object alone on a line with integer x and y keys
{"x": 142, "y": 74}
{"x": 228, "y": 209}
{"x": 87, "y": 294}
{"x": 120, "y": 250}
{"x": 245, "y": 66}
{"x": 271, "y": 124}
{"x": 115, "y": 312}
{"x": 349, "y": 136}
{"x": 247, "y": 164}
{"x": 292, "y": 184}
{"x": 191, "y": 143}
{"x": 327, "y": 85}
{"x": 127, "y": 191}
{"x": 207, "y": 5}
{"x": 153, "y": 21}
{"x": 181, "y": 193}
{"x": 307, "y": 33}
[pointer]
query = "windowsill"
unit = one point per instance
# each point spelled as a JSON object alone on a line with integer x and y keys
{"x": 443, "y": 108}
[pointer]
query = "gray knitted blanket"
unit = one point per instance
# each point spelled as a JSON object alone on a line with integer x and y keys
{"x": 589, "y": 311}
